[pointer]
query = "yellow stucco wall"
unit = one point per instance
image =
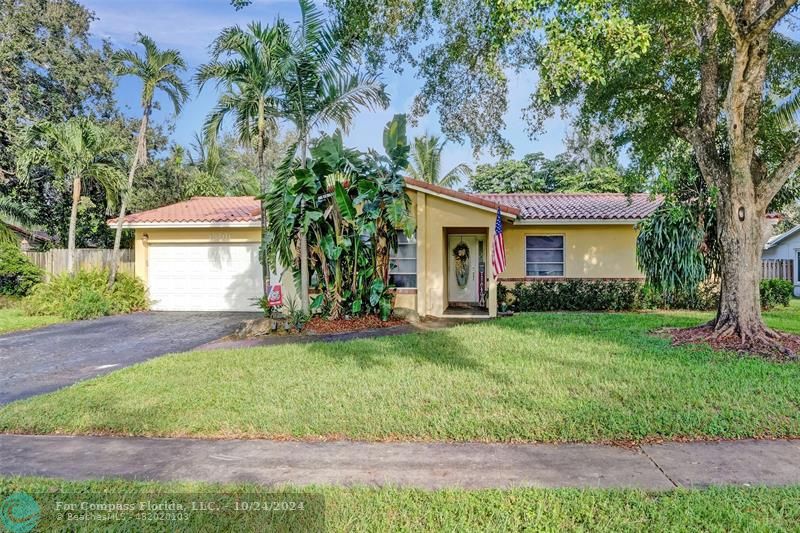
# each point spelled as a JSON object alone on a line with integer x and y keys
{"x": 590, "y": 251}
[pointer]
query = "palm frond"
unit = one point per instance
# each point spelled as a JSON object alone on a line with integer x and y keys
{"x": 788, "y": 111}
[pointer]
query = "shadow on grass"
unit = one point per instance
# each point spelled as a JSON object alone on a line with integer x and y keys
{"x": 442, "y": 348}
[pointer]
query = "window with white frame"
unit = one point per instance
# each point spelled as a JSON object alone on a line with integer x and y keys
{"x": 403, "y": 263}
{"x": 544, "y": 255}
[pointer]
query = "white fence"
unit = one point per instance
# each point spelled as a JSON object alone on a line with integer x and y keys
{"x": 777, "y": 269}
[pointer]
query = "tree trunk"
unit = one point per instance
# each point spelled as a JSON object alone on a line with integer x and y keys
{"x": 262, "y": 181}
{"x": 741, "y": 231}
{"x": 303, "y": 244}
{"x": 73, "y": 222}
{"x": 139, "y": 154}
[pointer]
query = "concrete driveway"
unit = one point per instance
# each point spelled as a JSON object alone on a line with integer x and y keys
{"x": 46, "y": 359}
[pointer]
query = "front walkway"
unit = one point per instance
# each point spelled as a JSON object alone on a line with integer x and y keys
{"x": 424, "y": 465}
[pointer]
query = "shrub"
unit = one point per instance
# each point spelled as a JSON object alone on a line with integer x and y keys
{"x": 705, "y": 298}
{"x": 17, "y": 274}
{"x": 89, "y": 303}
{"x": 775, "y": 292}
{"x": 572, "y": 295}
{"x": 86, "y": 295}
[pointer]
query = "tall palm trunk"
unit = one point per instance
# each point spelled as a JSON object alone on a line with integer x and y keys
{"x": 303, "y": 242}
{"x": 262, "y": 183}
{"x": 139, "y": 155}
{"x": 73, "y": 222}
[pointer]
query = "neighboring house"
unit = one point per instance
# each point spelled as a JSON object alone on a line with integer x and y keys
{"x": 30, "y": 240}
{"x": 202, "y": 254}
{"x": 786, "y": 246}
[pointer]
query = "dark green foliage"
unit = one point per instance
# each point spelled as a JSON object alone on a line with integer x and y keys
{"x": 17, "y": 274}
{"x": 669, "y": 249}
{"x": 564, "y": 173}
{"x": 775, "y": 292}
{"x": 86, "y": 295}
{"x": 89, "y": 303}
{"x": 573, "y": 295}
{"x": 704, "y": 298}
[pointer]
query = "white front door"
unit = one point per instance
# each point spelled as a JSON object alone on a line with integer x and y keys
{"x": 462, "y": 260}
{"x": 204, "y": 277}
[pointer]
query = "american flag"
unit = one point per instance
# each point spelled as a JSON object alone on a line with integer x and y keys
{"x": 499, "y": 248}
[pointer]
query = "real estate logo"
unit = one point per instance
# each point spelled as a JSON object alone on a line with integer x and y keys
{"x": 19, "y": 513}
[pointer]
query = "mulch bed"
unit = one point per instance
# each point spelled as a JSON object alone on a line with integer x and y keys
{"x": 321, "y": 326}
{"x": 702, "y": 335}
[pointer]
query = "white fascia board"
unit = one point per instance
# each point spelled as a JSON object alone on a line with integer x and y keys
{"x": 181, "y": 225}
{"x": 577, "y": 221}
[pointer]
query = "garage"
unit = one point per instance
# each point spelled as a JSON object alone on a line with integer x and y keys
{"x": 204, "y": 277}
{"x": 200, "y": 254}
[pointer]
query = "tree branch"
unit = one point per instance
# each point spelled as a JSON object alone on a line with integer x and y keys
{"x": 769, "y": 187}
{"x": 769, "y": 18}
{"x": 729, "y": 14}
{"x": 708, "y": 105}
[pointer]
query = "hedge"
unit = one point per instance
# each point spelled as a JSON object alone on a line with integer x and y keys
{"x": 622, "y": 295}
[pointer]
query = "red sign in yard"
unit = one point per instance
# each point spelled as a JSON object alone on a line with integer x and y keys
{"x": 275, "y": 296}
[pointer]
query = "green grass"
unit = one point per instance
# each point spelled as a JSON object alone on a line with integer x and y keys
{"x": 538, "y": 377}
{"x": 392, "y": 509}
{"x": 13, "y": 319}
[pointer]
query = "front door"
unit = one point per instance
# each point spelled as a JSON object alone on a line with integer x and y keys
{"x": 462, "y": 260}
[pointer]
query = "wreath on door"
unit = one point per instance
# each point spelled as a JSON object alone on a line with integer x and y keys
{"x": 461, "y": 255}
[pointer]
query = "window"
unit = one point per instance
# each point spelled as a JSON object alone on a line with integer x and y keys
{"x": 544, "y": 255}
{"x": 403, "y": 263}
{"x": 797, "y": 266}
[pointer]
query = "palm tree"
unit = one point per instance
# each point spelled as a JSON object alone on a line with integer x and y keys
{"x": 243, "y": 64}
{"x": 158, "y": 70}
{"x": 320, "y": 86}
{"x": 426, "y": 163}
{"x": 75, "y": 151}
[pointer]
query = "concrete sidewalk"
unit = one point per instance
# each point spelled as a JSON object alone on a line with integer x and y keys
{"x": 429, "y": 466}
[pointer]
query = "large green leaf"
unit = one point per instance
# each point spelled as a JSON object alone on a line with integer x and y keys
{"x": 345, "y": 203}
{"x": 395, "y": 142}
{"x": 376, "y": 291}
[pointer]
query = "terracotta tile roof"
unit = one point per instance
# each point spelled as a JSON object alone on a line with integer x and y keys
{"x": 479, "y": 199}
{"x": 201, "y": 209}
{"x": 553, "y": 206}
{"x": 578, "y": 206}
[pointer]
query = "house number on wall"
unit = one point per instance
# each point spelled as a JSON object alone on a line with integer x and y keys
{"x": 220, "y": 236}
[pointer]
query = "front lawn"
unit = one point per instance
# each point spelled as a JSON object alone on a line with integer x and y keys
{"x": 535, "y": 377}
{"x": 13, "y": 319}
{"x": 392, "y": 509}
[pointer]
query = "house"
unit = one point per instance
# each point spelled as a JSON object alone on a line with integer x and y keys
{"x": 786, "y": 247}
{"x": 202, "y": 254}
{"x": 31, "y": 240}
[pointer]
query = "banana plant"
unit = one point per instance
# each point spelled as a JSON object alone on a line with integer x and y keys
{"x": 351, "y": 205}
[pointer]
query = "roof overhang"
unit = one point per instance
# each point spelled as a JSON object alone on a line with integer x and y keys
{"x": 183, "y": 225}
{"x": 577, "y": 222}
{"x": 505, "y": 211}
{"x": 780, "y": 238}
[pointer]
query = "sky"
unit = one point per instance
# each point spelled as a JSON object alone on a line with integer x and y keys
{"x": 191, "y": 25}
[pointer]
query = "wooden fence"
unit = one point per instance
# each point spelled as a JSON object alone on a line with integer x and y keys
{"x": 54, "y": 261}
{"x": 777, "y": 269}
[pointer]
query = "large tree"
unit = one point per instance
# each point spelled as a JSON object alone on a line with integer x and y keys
{"x": 49, "y": 71}
{"x": 75, "y": 151}
{"x": 713, "y": 74}
{"x": 320, "y": 86}
{"x": 157, "y": 70}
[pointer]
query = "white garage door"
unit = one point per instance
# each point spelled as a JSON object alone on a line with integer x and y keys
{"x": 204, "y": 277}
